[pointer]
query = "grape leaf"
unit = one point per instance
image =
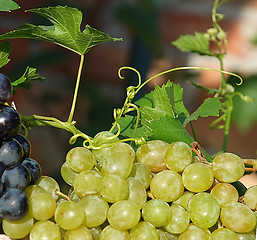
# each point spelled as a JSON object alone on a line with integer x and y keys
{"x": 65, "y": 30}
{"x": 127, "y": 125}
{"x": 194, "y": 43}
{"x": 210, "y": 107}
{"x": 5, "y": 49}
{"x": 8, "y": 5}
{"x": 28, "y": 76}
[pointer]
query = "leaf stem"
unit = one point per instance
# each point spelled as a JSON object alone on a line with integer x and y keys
{"x": 75, "y": 96}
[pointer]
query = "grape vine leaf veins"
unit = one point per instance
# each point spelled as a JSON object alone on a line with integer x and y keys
{"x": 65, "y": 30}
{"x": 8, "y": 5}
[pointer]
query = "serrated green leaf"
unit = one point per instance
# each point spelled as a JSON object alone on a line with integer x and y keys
{"x": 194, "y": 43}
{"x": 25, "y": 80}
{"x": 65, "y": 30}
{"x": 209, "y": 90}
{"x": 210, "y": 107}
{"x": 5, "y": 49}
{"x": 127, "y": 125}
{"x": 8, "y": 5}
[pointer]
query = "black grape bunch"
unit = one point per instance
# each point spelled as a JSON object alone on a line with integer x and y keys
{"x": 17, "y": 169}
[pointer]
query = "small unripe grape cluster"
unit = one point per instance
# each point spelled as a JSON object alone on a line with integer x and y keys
{"x": 160, "y": 191}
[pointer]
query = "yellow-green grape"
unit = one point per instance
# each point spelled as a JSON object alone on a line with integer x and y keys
{"x": 144, "y": 230}
{"x": 95, "y": 209}
{"x": 223, "y": 234}
{"x": 178, "y": 156}
{"x": 33, "y": 190}
{"x": 156, "y": 212}
{"x": 137, "y": 192}
{"x": 69, "y": 215}
{"x": 87, "y": 182}
{"x": 195, "y": 233}
{"x": 117, "y": 163}
{"x": 95, "y": 232}
{"x": 18, "y": 229}
{"x": 238, "y": 217}
{"x": 179, "y": 221}
{"x": 73, "y": 195}
{"x": 81, "y": 233}
{"x": 123, "y": 147}
{"x": 111, "y": 233}
{"x": 184, "y": 199}
{"x": 103, "y": 140}
{"x": 46, "y": 230}
{"x": 162, "y": 235}
{"x": 42, "y": 206}
{"x": 167, "y": 185}
{"x": 250, "y": 197}
{"x": 152, "y": 155}
{"x": 124, "y": 215}
{"x": 142, "y": 173}
{"x": 114, "y": 188}
{"x": 50, "y": 185}
{"x": 204, "y": 210}
{"x": 228, "y": 167}
{"x": 225, "y": 193}
{"x": 247, "y": 236}
{"x": 197, "y": 177}
{"x": 68, "y": 174}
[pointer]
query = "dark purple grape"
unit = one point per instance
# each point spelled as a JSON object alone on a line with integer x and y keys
{"x": 5, "y": 88}
{"x": 24, "y": 142}
{"x": 16, "y": 177}
{"x": 10, "y": 122}
{"x": 34, "y": 169}
{"x": 13, "y": 204}
{"x": 11, "y": 153}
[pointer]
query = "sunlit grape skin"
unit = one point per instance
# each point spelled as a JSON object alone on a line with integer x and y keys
{"x": 50, "y": 185}
{"x": 250, "y": 197}
{"x": 194, "y": 233}
{"x": 68, "y": 174}
{"x": 223, "y": 233}
{"x": 228, "y": 167}
{"x": 238, "y": 217}
{"x": 197, "y": 177}
{"x": 81, "y": 233}
{"x": 144, "y": 231}
{"x": 204, "y": 210}
{"x": 167, "y": 185}
{"x": 111, "y": 233}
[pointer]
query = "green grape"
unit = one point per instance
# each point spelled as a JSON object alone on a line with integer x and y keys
{"x": 103, "y": 139}
{"x": 142, "y": 173}
{"x": 114, "y": 188}
{"x": 95, "y": 209}
{"x": 18, "y": 229}
{"x": 42, "y": 206}
{"x": 117, "y": 163}
{"x": 204, "y": 210}
{"x": 156, "y": 212}
{"x": 152, "y": 155}
{"x": 123, "y": 147}
{"x": 179, "y": 221}
{"x": 195, "y": 233}
{"x": 95, "y": 232}
{"x": 178, "y": 156}
{"x": 223, "y": 234}
{"x": 69, "y": 215}
{"x": 73, "y": 195}
{"x": 197, "y": 177}
{"x": 238, "y": 217}
{"x": 46, "y": 230}
{"x": 111, "y": 233}
{"x": 225, "y": 193}
{"x": 123, "y": 215}
{"x": 184, "y": 199}
{"x": 81, "y": 233}
{"x": 247, "y": 236}
{"x": 167, "y": 185}
{"x": 162, "y": 235}
{"x": 143, "y": 231}
{"x": 228, "y": 167}
{"x": 80, "y": 159}
{"x": 87, "y": 182}
{"x": 250, "y": 197}
{"x": 137, "y": 192}
{"x": 68, "y": 174}
{"x": 33, "y": 190}
{"x": 50, "y": 185}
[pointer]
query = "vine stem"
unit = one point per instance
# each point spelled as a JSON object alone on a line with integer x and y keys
{"x": 75, "y": 96}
